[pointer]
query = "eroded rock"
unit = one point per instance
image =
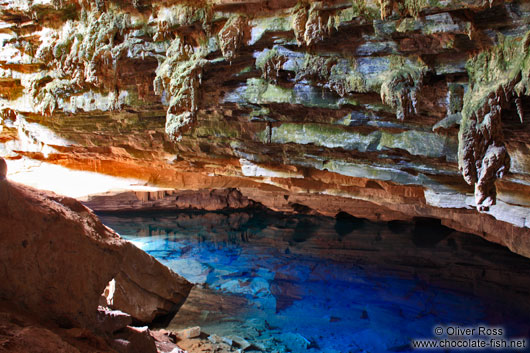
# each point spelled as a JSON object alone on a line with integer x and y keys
{"x": 192, "y": 332}
{"x": 22, "y": 332}
{"x": 499, "y": 76}
{"x": 232, "y": 35}
{"x": 401, "y": 85}
{"x": 145, "y": 295}
{"x": 135, "y": 340}
{"x": 73, "y": 257}
{"x": 110, "y": 321}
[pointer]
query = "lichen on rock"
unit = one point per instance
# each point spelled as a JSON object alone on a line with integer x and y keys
{"x": 405, "y": 7}
{"x": 315, "y": 68}
{"x": 81, "y": 57}
{"x": 50, "y": 94}
{"x": 386, "y": 6}
{"x": 228, "y": 73}
{"x": 178, "y": 76}
{"x": 414, "y": 7}
{"x": 316, "y": 27}
{"x": 310, "y": 24}
{"x": 299, "y": 20}
{"x": 339, "y": 75}
{"x": 401, "y": 84}
{"x": 344, "y": 78}
{"x": 498, "y": 77}
{"x": 270, "y": 62}
{"x": 181, "y": 15}
{"x": 231, "y": 36}
{"x": 361, "y": 8}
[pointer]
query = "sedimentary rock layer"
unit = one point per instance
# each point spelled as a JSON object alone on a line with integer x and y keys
{"x": 388, "y": 110}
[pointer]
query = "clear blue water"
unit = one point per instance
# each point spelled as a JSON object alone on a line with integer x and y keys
{"x": 318, "y": 284}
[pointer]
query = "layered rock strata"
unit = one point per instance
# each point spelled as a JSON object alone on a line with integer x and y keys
{"x": 386, "y": 110}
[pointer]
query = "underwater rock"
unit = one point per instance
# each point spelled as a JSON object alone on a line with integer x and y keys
{"x": 191, "y": 269}
{"x": 191, "y": 332}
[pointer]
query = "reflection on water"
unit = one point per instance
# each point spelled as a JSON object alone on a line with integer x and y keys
{"x": 317, "y": 284}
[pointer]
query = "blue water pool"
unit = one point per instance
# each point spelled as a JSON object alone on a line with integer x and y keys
{"x": 316, "y": 284}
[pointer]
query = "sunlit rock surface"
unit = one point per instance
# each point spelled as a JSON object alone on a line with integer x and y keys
{"x": 57, "y": 258}
{"x": 385, "y": 110}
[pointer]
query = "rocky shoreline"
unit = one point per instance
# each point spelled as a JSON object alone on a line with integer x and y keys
{"x": 402, "y": 208}
{"x": 21, "y": 332}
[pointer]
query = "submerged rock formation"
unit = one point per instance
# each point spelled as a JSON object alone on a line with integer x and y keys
{"x": 386, "y": 110}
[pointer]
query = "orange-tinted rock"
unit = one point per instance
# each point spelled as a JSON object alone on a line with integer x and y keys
{"x": 73, "y": 256}
{"x": 37, "y": 339}
{"x": 363, "y": 113}
{"x": 57, "y": 258}
{"x": 216, "y": 199}
{"x": 384, "y": 202}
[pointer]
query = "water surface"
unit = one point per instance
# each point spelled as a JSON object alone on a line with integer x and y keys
{"x": 318, "y": 284}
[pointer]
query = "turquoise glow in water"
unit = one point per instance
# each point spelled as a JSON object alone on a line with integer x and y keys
{"x": 317, "y": 284}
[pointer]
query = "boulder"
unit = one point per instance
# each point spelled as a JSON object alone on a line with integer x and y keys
{"x": 145, "y": 289}
{"x": 56, "y": 258}
{"x": 20, "y": 332}
{"x": 134, "y": 340}
{"x": 110, "y": 321}
{"x": 36, "y": 339}
{"x": 192, "y": 332}
{"x": 165, "y": 341}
